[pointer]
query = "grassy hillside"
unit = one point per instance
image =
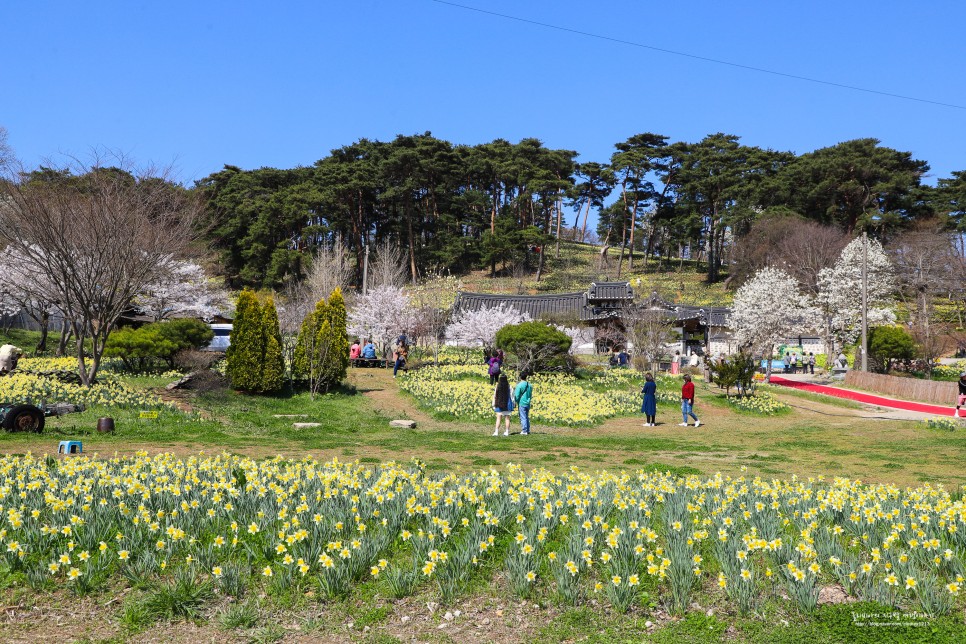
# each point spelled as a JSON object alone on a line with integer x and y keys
{"x": 578, "y": 265}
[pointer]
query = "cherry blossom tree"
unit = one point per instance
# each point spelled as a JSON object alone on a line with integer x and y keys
{"x": 182, "y": 289}
{"x": 839, "y": 298}
{"x": 8, "y": 304}
{"x": 478, "y": 328}
{"x": 767, "y": 309}
{"x": 381, "y": 315}
{"x": 23, "y": 287}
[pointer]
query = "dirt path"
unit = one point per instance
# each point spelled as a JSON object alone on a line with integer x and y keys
{"x": 380, "y": 388}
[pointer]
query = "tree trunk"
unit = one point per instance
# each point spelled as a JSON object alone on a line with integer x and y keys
{"x": 630, "y": 256}
{"x": 583, "y": 229}
{"x": 412, "y": 248}
{"x": 44, "y": 328}
{"x": 558, "y": 207}
{"x": 65, "y": 334}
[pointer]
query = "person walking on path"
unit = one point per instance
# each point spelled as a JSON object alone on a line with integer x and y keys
{"x": 523, "y": 394}
{"x": 788, "y": 363}
{"x": 687, "y": 402}
{"x": 649, "y": 406}
{"x": 400, "y": 356}
{"x": 494, "y": 368}
{"x": 962, "y": 393}
{"x": 811, "y": 364}
{"x": 502, "y": 405}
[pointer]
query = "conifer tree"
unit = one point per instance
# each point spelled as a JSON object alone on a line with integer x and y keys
{"x": 304, "y": 359}
{"x": 336, "y": 363}
{"x": 246, "y": 344}
{"x": 273, "y": 363}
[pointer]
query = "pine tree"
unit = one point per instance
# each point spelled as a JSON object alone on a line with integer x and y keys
{"x": 336, "y": 365}
{"x": 246, "y": 344}
{"x": 273, "y": 363}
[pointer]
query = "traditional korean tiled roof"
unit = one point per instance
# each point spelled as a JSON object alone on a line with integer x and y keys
{"x": 718, "y": 315}
{"x": 610, "y": 291}
{"x": 536, "y": 306}
{"x": 602, "y": 300}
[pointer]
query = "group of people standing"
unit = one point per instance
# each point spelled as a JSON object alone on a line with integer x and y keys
{"x": 793, "y": 361}
{"x": 649, "y": 404}
{"x": 520, "y": 397}
{"x": 504, "y": 400}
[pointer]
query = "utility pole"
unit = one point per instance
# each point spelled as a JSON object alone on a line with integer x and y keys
{"x": 865, "y": 302}
{"x": 365, "y": 272}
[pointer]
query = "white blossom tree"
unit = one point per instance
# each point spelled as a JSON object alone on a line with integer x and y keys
{"x": 8, "y": 304}
{"x": 478, "y": 328}
{"x": 182, "y": 289}
{"x": 576, "y": 336}
{"x": 381, "y": 315}
{"x": 839, "y": 298}
{"x": 23, "y": 287}
{"x": 767, "y": 309}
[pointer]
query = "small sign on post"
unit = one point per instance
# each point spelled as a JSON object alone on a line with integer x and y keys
{"x": 148, "y": 414}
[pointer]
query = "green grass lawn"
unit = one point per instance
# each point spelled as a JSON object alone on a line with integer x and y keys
{"x": 818, "y": 437}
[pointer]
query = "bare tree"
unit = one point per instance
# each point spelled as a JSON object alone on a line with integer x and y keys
{"x": 6, "y": 152}
{"x": 97, "y": 235}
{"x": 387, "y": 267}
{"x": 432, "y": 302}
{"x": 799, "y": 247}
{"x": 293, "y": 306}
{"x": 648, "y": 331}
{"x": 331, "y": 268}
{"x": 923, "y": 259}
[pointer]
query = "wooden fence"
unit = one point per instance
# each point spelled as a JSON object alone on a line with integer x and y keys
{"x": 944, "y": 393}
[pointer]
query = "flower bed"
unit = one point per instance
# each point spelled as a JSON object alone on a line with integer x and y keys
{"x": 559, "y": 399}
{"x": 231, "y": 522}
{"x": 761, "y": 402}
{"x": 37, "y": 390}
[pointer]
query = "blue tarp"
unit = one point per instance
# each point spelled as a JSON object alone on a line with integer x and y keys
{"x": 776, "y": 365}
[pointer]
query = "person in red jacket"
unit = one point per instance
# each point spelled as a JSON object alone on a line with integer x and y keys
{"x": 687, "y": 402}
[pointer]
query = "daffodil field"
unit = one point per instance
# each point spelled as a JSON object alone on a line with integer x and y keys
{"x": 108, "y": 392}
{"x": 234, "y": 522}
{"x": 762, "y": 403}
{"x": 559, "y": 399}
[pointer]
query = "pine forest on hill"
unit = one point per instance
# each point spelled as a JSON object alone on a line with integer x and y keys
{"x": 458, "y": 209}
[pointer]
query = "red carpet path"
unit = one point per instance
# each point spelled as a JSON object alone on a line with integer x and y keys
{"x": 924, "y": 408}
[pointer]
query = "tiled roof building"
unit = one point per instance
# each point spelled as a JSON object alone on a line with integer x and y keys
{"x": 601, "y": 301}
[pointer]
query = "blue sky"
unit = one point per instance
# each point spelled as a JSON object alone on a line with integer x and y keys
{"x": 203, "y": 84}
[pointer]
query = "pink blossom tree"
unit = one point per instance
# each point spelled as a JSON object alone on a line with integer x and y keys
{"x": 381, "y": 315}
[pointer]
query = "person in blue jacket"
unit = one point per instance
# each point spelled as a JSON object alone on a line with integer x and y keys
{"x": 649, "y": 406}
{"x": 523, "y": 394}
{"x": 369, "y": 351}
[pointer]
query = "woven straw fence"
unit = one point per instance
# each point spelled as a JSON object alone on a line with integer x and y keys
{"x": 932, "y": 391}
